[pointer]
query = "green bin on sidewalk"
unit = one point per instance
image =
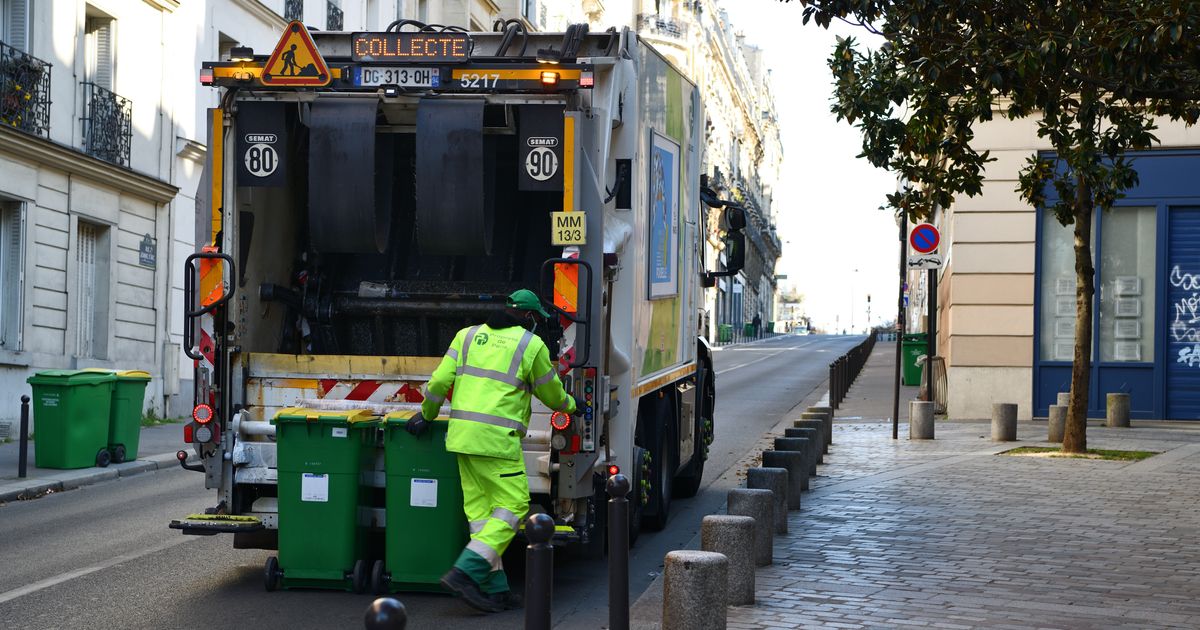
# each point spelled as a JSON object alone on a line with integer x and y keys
{"x": 125, "y": 414}
{"x": 424, "y": 494}
{"x": 320, "y": 458}
{"x": 724, "y": 333}
{"x": 913, "y": 345}
{"x": 70, "y": 414}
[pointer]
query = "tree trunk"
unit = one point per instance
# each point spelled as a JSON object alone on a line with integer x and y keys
{"x": 1075, "y": 432}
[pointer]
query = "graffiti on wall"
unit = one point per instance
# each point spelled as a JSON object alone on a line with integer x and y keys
{"x": 1185, "y": 328}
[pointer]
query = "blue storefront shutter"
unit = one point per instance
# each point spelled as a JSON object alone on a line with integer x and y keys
{"x": 1183, "y": 314}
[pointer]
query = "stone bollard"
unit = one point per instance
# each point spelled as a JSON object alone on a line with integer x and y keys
{"x": 828, "y": 411}
{"x": 730, "y": 536}
{"x": 920, "y": 420}
{"x": 694, "y": 595}
{"x": 1004, "y": 422}
{"x": 1118, "y": 410}
{"x": 1058, "y": 422}
{"x": 797, "y": 467}
{"x": 823, "y": 425}
{"x": 775, "y": 480}
{"x": 759, "y": 505}
{"x": 1064, "y": 399}
{"x": 802, "y": 445}
{"x": 816, "y": 426}
{"x": 814, "y": 438}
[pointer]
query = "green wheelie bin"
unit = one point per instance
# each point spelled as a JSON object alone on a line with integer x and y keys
{"x": 125, "y": 415}
{"x": 424, "y": 494}
{"x": 320, "y": 457}
{"x": 70, "y": 414}
{"x": 913, "y": 345}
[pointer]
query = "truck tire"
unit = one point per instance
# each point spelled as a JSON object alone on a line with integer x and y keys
{"x": 636, "y": 505}
{"x": 687, "y": 484}
{"x": 663, "y": 463}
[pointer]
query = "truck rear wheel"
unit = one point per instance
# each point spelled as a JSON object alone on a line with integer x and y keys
{"x": 687, "y": 484}
{"x": 662, "y": 465}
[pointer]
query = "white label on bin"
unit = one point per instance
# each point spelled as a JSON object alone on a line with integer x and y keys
{"x": 339, "y": 431}
{"x": 424, "y": 493}
{"x": 314, "y": 488}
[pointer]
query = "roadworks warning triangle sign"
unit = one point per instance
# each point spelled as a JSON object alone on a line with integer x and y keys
{"x": 296, "y": 60}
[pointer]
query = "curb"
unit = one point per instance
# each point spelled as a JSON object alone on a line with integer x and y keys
{"x": 28, "y": 489}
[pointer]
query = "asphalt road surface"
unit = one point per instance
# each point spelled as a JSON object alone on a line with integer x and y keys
{"x": 102, "y": 556}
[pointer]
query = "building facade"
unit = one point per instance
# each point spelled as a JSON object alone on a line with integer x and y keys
{"x": 1006, "y": 295}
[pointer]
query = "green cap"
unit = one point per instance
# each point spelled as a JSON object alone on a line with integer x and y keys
{"x": 526, "y": 300}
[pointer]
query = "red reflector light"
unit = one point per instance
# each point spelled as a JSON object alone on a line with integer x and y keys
{"x": 586, "y": 80}
{"x": 206, "y": 76}
{"x": 549, "y": 78}
{"x": 202, "y": 413}
{"x": 560, "y": 420}
{"x": 181, "y": 455}
{"x": 614, "y": 470}
{"x": 188, "y": 435}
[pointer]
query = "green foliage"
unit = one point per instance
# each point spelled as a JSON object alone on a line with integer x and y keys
{"x": 1094, "y": 75}
{"x": 152, "y": 419}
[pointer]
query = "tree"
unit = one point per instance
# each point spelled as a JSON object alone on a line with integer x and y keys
{"x": 1094, "y": 73}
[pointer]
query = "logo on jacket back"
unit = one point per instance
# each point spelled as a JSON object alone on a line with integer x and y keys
{"x": 481, "y": 339}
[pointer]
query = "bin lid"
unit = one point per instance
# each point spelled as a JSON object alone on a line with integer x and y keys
{"x": 324, "y": 416}
{"x": 402, "y": 417}
{"x": 123, "y": 375}
{"x": 71, "y": 377}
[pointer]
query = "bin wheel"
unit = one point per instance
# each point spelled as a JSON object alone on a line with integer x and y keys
{"x": 103, "y": 458}
{"x": 271, "y": 574}
{"x": 118, "y": 454}
{"x": 378, "y": 582}
{"x": 358, "y": 579}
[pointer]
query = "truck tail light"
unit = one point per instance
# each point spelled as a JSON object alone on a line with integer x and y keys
{"x": 614, "y": 470}
{"x": 188, "y": 433}
{"x": 202, "y": 414}
{"x": 560, "y": 421}
{"x": 206, "y": 76}
{"x": 549, "y": 79}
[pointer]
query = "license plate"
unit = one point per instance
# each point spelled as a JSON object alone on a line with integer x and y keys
{"x": 402, "y": 77}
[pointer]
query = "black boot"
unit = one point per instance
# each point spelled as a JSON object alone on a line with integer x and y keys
{"x": 461, "y": 584}
{"x": 508, "y": 600}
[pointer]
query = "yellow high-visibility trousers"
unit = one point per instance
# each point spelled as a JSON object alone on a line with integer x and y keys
{"x": 495, "y": 500}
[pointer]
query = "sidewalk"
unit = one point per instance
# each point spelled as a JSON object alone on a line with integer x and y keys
{"x": 948, "y": 534}
{"x": 156, "y": 450}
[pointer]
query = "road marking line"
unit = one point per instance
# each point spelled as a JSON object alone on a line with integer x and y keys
{"x": 78, "y": 573}
{"x": 742, "y": 365}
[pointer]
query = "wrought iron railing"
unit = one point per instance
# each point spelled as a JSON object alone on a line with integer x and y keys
{"x": 293, "y": 10}
{"x": 107, "y": 124}
{"x": 24, "y": 91}
{"x": 651, "y": 23}
{"x": 333, "y": 16}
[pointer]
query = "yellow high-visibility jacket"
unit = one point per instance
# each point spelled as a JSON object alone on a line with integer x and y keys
{"x": 494, "y": 372}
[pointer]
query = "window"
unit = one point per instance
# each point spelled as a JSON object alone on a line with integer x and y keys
{"x": 423, "y": 11}
{"x": 91, "y": 291}
{"x": 529, "y": 10}
{"x": 1126, "y": 291}
{"x": 12, "y": 276}
{"x": 1057, "y": 291}
{"x": 14, "y": 23}
{"x": 293, "y": 10}
{"x": 98, "y": 40}
{"x": 333, "y": 16}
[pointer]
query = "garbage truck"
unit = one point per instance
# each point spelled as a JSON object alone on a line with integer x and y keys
{"x": 368, "y": 194}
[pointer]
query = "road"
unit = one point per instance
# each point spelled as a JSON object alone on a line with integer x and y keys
{"x": 101, "y": 556}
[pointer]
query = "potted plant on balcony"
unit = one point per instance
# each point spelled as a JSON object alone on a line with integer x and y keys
{"x": 20, "y": 76}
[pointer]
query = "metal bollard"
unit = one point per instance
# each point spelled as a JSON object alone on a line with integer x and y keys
{"x": 539, "y": 571}
{"x": 386, "y": 613}
{"x": 618, "y": 553}
{"x": 833, "y": 398}
{"x": 23, "y": 441}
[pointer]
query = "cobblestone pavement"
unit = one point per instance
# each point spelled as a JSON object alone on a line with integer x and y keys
{"x": 948, "y": 534}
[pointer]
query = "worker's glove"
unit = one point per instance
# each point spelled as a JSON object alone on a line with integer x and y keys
{"x": 416, "y": 425}
{"x": 580, "y": 404}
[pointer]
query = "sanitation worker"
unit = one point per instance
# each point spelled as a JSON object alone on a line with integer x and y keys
{"x": 494, "y": 369}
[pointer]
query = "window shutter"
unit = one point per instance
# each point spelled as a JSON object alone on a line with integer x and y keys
{"x": 11, "y": 278}
{"x": 18, "y": 24}
{"x": 85, "y": 256}
{"x": 100, "y": 30}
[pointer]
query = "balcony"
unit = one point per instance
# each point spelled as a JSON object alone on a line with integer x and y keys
{"x": 658, "y": 25}
{"x": 24, "y": 91}
{"x": 107, "y": 125}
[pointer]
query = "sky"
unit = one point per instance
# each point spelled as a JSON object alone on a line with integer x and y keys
{"x": 838, "y": 247}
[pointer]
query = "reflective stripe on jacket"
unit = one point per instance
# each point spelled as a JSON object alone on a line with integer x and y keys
{"x": 494, "y": 373}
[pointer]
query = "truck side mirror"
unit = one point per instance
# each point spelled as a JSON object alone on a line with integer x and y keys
{"x": 735, "y": 218}
{"x": 735, "y": 251}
